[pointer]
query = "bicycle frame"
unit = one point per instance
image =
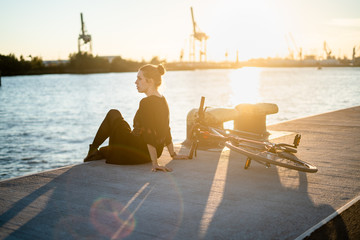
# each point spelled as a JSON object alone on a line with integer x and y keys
{"x": 264, "y": 152}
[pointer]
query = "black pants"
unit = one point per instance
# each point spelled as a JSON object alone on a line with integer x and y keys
{"x": 124, "y": 147}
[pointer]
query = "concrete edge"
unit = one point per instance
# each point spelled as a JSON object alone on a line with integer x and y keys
{"x": 35, "y": 173}
{"x": 312, "y": 115}
{"x": 176, "y": 145}
{"x": 328, "y": 218}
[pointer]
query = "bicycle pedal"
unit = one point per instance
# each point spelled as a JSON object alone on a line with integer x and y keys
{"x": 297, "y": 139}
{"x": 247, "y": 163}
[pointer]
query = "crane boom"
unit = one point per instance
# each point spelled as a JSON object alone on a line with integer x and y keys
{"x": 327, "y": 50}
{"x": 291, "y": 52}
{"x": 193, "y": 20}
{"x": 82, "y": 24}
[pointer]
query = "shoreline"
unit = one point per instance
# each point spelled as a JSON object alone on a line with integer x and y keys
{"x": 169, "y": 69}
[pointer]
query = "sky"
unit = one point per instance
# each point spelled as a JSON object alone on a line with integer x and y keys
{"x": 143, "y": 29}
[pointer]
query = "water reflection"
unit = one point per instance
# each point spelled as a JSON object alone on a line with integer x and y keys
{"x": 245, "y": 85}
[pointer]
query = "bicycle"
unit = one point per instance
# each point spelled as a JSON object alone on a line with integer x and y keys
{"x": 263, "y": 152}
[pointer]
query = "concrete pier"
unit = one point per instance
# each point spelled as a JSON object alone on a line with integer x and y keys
{"x": 210, "y": 197}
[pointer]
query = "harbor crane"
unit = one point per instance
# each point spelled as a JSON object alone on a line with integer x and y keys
{"x": 291, "y": 52}
{"x": 197, "y": 36}
{"x": 327, "y": 50}
{"x": 356, "y": 49}
{"x": 354, "y": 59}
{"x": 84, "y": 40}
{"x": 297, "y": 49}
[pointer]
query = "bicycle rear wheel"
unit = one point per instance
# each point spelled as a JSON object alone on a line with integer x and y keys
{"x": 282, "y": 159}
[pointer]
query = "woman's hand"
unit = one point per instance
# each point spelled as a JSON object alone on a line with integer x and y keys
{"x": 180, "y": 157}
{"x": 161, "y": 168}
{"x": 155, "y": 165}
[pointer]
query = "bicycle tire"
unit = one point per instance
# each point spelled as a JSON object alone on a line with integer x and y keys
{"x": 282, "y": 159}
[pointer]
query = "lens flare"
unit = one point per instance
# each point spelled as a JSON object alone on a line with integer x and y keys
{"x": 112, "y": 219}
{"x": 70, "y": 227}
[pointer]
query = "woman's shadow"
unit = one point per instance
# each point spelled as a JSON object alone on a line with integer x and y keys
{"x": 82, "y": 201}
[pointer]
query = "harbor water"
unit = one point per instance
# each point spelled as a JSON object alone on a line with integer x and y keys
{"x": 47, "y": 121}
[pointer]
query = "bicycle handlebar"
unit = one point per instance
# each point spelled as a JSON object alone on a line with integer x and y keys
{"x": 201, "y": 109}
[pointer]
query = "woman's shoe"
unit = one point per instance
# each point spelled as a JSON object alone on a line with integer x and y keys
{"x": 93, "y": 154}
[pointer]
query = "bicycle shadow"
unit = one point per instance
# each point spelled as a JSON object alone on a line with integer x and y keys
{"x": 263, "y": 203}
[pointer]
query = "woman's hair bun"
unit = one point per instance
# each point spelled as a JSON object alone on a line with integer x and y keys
{"x": 161, "y": 69}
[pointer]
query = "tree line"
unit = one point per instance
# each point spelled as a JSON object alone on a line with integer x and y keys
{"x": 78, "y": 63}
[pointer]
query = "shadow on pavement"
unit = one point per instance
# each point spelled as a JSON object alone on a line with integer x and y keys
{"x": 210, "y": 197}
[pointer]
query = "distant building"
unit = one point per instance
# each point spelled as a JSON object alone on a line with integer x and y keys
{"x": 329, "y": 62}
{"x": 309, "y": 57}
{"x": 109, "y": 58}
{"x": 55, "y": 62}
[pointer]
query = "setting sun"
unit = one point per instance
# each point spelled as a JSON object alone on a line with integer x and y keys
{"x": 245, "y": 85}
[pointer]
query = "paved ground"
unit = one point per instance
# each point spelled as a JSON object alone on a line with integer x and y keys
{"x": 344, "y": 226}
{"x": 211, "y": 197}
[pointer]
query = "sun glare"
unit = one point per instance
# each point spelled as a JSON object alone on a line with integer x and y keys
{"x": 244, "y": 83}
{"x": 253, "y": 29}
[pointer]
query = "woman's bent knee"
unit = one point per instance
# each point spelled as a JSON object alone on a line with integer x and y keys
{"x": 114, "y": 113}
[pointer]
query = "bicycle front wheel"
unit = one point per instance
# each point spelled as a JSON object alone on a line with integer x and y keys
{"x": 282, "y": 159}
